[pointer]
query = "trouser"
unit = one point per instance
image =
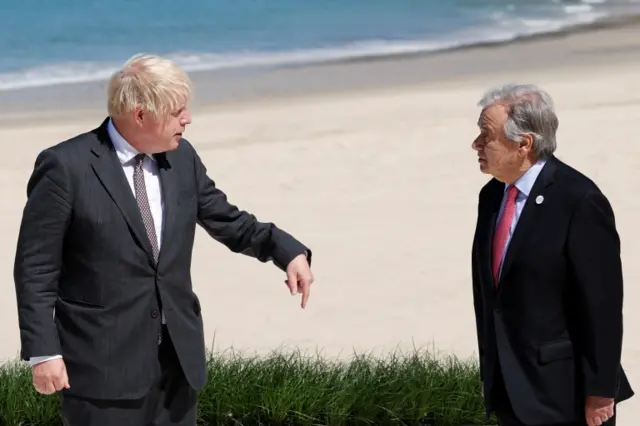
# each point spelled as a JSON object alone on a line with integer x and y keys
{"x": 171, "y": 401}
{"x": 504, "y": 410}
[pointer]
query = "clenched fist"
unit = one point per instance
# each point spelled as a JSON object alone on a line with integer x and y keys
{"x": 50, "y": 376}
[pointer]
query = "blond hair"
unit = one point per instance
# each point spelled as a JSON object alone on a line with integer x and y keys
{"x": 157, "y": 85}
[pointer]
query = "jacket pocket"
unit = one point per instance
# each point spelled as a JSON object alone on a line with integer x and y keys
{"x": 555, "y": 351}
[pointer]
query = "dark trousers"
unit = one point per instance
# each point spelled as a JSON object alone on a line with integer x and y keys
{"x": 507, "y": 417}
{"x": 171, "y": 402}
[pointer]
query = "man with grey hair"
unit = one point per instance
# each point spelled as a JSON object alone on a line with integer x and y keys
{"x": 106, "y": 241}
{"x": 547, "y": 274}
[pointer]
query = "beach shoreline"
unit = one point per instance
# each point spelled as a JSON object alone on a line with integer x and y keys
{"x": 591, "y": 46}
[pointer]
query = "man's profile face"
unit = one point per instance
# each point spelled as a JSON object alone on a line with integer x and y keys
{"x": 497, "y": 156}
{"x": 164, "y": 133}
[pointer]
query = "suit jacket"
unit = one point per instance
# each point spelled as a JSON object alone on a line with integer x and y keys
{"x": 83, "y": 250}
{"x": 554, "y": 322}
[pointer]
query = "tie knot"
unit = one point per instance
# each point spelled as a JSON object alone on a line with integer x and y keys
{"x": 512, "y": 192}
{"x": 139, "y": 159}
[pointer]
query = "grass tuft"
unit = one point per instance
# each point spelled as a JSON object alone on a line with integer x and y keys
{"x": 290, "y": 388}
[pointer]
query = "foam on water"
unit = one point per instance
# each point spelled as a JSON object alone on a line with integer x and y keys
{"x": 494, "y": 24}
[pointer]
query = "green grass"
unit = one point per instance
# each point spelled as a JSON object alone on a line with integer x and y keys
{"x": 289, "y": 388}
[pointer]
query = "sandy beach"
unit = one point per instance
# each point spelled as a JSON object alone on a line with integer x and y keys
{"x": 369, "y": 163}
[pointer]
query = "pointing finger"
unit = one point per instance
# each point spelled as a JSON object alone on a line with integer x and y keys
{"x": 306, "y": 288}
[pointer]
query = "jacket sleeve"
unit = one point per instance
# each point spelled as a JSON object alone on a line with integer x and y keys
{"x": 596, "y": 292}
{"x": 477, "y": 300}
{"x": 239, "y": 230}
{"x": 38, "y": 258}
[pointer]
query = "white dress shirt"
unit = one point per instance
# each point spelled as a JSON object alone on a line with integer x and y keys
{"x": 126, "y": 154}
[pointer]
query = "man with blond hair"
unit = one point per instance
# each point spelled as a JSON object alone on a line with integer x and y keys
{"x": 547, "y": 273}
{"x": 107, "y": 314}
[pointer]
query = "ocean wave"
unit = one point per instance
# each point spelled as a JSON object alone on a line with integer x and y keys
{"x": 502, "y": 30}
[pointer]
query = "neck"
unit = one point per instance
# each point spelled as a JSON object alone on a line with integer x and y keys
{"x": 127, "y": 132}
{"x": 517, "y": 174}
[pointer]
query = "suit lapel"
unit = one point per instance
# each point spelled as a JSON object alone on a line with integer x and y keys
{"x": 530, "y": 214}
{"x": 109, "y": 171}
{"x": 489, "y": 214}
{"x": 168, "y": 180}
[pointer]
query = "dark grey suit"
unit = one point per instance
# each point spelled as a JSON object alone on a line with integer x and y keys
{"x": 83, "y": 249}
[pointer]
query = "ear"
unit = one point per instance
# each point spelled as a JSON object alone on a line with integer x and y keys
{"x": 526, "y": 144}
{"x": 139, "y": 116}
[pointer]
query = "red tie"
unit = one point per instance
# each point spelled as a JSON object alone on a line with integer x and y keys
{"x": 502, "y": 230}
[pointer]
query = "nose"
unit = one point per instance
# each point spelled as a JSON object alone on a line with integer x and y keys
{"x": 186, "y": 117}
{"x": 475, "y": 145}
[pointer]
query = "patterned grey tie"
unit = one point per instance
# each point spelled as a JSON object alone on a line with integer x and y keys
{"x": 143, "y": 204}
{"x": 145, "y": 210}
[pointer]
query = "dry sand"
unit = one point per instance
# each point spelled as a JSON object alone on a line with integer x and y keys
{"x": 382, "y": 184}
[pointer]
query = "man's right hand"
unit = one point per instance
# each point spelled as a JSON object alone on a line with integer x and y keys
{"x": 50, "y": 376}
{"x": 598, "y": 410}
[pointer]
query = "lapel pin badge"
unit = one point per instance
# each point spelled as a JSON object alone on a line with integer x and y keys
{"x": 539, "y": 199}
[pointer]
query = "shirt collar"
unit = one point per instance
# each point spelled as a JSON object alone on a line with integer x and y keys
{"x": 526, "y": 181}
{"x": 123, "y": 149}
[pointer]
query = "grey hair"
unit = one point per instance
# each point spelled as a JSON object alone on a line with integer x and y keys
{"x": 530, "y": 111}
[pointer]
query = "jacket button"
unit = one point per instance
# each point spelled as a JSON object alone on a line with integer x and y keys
{"x": 154, "y": 313}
